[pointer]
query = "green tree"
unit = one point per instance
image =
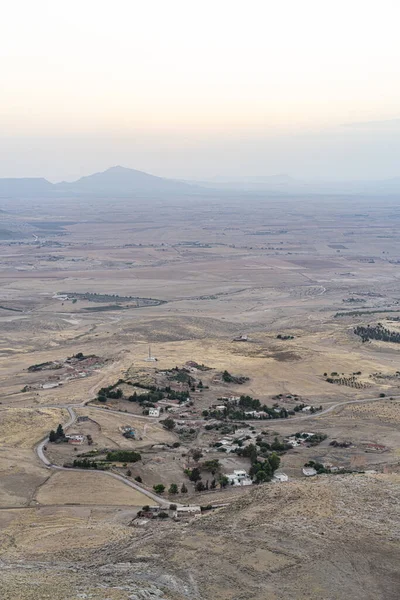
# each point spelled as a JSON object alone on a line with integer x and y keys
{"x": 196, "y": 454}
{"x": 159, "y": 488}
{"x": 200, "y": 486}
{"x": 262, "y": 476}
{"x": 274, "y": 461}
{"x": 60, "y": 431}
{"x": 169, "y": 424}
{"x": 184, "y": 489}
{"x": 250, "y": 451}
{"x": 212, "y": 465}
{"x": 52, "y": 436}
{"x": 195, "y": 475}
{"x": 223, "y": 481}
{"x": 138, "y": 479}
{"x": 173, "y": 489}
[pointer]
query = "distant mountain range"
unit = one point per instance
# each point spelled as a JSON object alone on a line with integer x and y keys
{"x": 287, "y": 185}
{"x": 123, "y": 182}
{"x": 116, "y": 181}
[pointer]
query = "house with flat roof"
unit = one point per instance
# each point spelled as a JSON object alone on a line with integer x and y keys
{"x": 309, "y": 471}
{"x": 239, "y": 477}
{"x": 187, "y": 512}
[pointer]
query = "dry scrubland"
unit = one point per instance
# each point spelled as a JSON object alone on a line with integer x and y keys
{"x": 88, "y": 488}
{"x": 225, "y": 267}
{"x": 270, "y": 543}
{"x": 23, "y": 428}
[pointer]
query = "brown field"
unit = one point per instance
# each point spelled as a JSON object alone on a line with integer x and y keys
{"x": 88, "y": 488}
{"x": 23, "y": 428}
{"x": 225, "y": 267}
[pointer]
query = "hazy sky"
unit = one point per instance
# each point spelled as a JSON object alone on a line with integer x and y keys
{"x": 200, "y": 88}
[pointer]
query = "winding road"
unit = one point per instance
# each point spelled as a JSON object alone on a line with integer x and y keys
{"x": 39, "y": 449}
{"x": 134, "y": 485}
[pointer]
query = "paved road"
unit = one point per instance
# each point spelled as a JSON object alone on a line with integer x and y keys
{"x": 331, "y": 408}
{"x": 275, "y": 421}
{"x": 72, "y": 418}
{"x": 133, "y": 484}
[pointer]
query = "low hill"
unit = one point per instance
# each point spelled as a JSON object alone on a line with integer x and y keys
{"x": 121, "y": 181}
{"x": 334, "y": 537}
{"x": 329, "y": 538}
{"x": 25, "y": 187}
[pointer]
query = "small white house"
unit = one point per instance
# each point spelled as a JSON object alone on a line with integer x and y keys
{"x": 294, "y": 443}
{"x": 154, "y": 412}
{"x": 280, "y": 477}
{"x": 185, "y": 512}
{"x": 309, "y": 471}
{"x": 75, "y": 438}
{"x": 239, "y": 477}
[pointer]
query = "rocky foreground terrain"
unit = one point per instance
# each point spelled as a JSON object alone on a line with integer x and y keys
{"x": 330, "y": 538}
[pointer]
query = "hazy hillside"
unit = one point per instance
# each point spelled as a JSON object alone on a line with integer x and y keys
{"x": 286, "y": 185}
{"x": 121, "y": 181}
{"x": 116, "y": 181}
{"x": 27, "y": 186}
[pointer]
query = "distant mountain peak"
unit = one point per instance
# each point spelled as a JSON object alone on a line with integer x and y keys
{"x": 122, "y": 181}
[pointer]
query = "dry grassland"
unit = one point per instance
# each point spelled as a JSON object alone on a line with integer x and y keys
{"x": 69, "y": 487}
{"x": 110, "y": 424}
{"x": 23, "y": 428}
{"x": 386, "y": 412}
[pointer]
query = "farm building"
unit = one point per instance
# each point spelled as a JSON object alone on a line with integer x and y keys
{"x": 309, "y": 471}
{"x": 239, "y": 477}
{"x": 75, "y": 438}
{"x": 280, "y": 477}
{"x": 187, "y": 512}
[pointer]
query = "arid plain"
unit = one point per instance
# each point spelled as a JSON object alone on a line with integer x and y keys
{"x": 186, "y": 277}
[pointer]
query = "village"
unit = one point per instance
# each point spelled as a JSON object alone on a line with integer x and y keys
{"x": 182, "y": 435}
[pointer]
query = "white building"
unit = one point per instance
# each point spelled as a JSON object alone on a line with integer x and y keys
{"x": 75, "y": 438}
{"x": 280, "y": 477}
{"x": 154, "y": 412}
{"x": 294, "y": 443}
{"x": 239, "y": 477}
{"x": 184, "y": 512}
{"x": 309, "y": 471}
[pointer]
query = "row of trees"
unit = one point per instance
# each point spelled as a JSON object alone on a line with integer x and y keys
{"x": 151, "y": 394}
{"x": 123, "y": 456}
{"x": 85, "y": 463}
{"x": 377, "y": 332}
{"x": 173, "y": 489}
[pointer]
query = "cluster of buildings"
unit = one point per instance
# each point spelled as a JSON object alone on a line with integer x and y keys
{"x": 128, "y": 432}
{"x": 170, "y": 406}
{"x": 239, "y": 477}
{"x": 299, "y": 441}
{"x": 175, "y": 512}
{"x": 230, "y": 441}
